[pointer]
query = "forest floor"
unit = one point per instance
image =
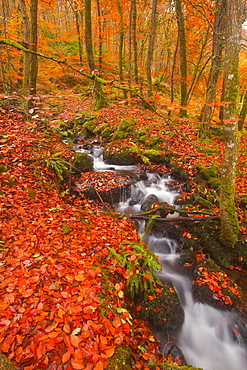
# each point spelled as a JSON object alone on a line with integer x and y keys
{"x": 58, "y": 310}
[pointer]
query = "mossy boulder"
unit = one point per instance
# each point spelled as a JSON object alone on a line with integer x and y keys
{"x": 243, "y": 202}
{"x": 168, "y": 366}
{"x": 83, "y": 163}
{"x": 155, "y": 156}
{"x": 127, "y": 124}
{"x": 122, "y": 359}
{"x": 3, "y": 168}
{"x": 124, "y": 156}
{"x": 5, "y": 363}
{"x": 208, "y": 175}
{"x": 163, "y": 310}
{"x": 119, "y": 135}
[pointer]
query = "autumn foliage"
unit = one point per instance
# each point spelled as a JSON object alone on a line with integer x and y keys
{"x": 59, "y": 308}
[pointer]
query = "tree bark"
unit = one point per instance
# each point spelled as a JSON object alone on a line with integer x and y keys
{"x": 33, "y": 46}
{"x": 26, "y": 43}
{"x": 183, "y": 57}
{"x": 120, "y": 47}
{"x": 134, "y": 40}
{"x": 243, "y": 113}
{"x": 150, "y": 53}
{"x": 98, "y": 91}
{"x": 229, "y": 220}
{"x": 216, "y": 65}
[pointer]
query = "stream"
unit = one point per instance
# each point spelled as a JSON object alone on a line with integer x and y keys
{"x": 206, "y": 337}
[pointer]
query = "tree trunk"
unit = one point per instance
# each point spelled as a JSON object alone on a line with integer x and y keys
{"x": 5, "y": 64}
{"x": 120, "y": 48}
{"x": 33, "y": 46}
{"x": 216, "y": 65}
{"x": 134, "y": 40}
{"x": 183, "y": 57}
{"x": 229, "y": 221}
{"x": 150, "y": 53}
{"x": 243, "y": 113}
{"x": 26, "y": 43}
{"x": 78, "y": 29}
{"x": 98, "y": 91}
{"x": 100, "y": 34}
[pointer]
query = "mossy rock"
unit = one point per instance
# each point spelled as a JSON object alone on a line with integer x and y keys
{"x": 119, "y": 135}
{"x": 243, "y": 202}
{"x": 208, "y": 175}
{"x": 89, "y": 126}
{"x": 127, "y": 124}
{"x": 125, "y": 156}
{"x": 122, "y": 359}
{"x": 5, "y": 363}
{"x": 3, "y": 168}
{"x": 98, "y": 129}
{"x": 168, "y": 366}
{"x": 83, "y": 163}
{"x": 107, "y": 133}
{"x": 143, "y": 139}
{"x": 155, "y": 156}
{"x": 163, "y": 310}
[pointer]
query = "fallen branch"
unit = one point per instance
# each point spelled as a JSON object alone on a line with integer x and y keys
{"x": 172, "y": 219}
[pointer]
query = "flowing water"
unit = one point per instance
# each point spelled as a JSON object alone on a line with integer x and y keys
{"x": 206, "y": 337}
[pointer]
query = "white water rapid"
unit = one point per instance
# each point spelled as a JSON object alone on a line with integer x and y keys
{"x": 206, "y": 337}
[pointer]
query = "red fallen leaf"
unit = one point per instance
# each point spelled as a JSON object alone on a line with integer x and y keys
{"x": 66, "y": 329}
{"x": 108, "y": 353}
{"x": 187, "y": 264}
{"x": 77, "y": 364}
{"x": 99, "y": 366}
{"x": 66, "y": 357}
{"x": 138, "y": 308}
{"x": 51, "y": 327}
{"x": 75, "y": 341}
{"x": 103, "y": 339}
{"x": 157, "y": 309}
{"x": 117, "y": 322}
{"x": 27, "y": 293}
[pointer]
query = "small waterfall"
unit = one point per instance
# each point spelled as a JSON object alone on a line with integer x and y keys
{"x": 206, "y": 337}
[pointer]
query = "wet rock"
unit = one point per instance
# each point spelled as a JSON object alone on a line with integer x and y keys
{"x": 177, "y": 355}
{"x": 148, "y": 202}
{"x": 83, "y": 162}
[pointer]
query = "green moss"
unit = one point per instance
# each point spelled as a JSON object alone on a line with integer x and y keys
{"x": 243, "y": 202}
{"x": 3, "y": 168}
{"x": 5, "y": 363}
{"x": 155, "y": 156}
{"x": 107, "y": 133}
{"x": 83, "y": 162}
{"x": 100, "y": 128}
{"x": 121, "y": 360}
{"x": 119, "y": 135}
{"x": 90, "y": 125}
{"x": 163, "y": 309}
{"x": 124, "y": 156}
{"x": 127, "y": 124}
{"x": 168, "y": 366}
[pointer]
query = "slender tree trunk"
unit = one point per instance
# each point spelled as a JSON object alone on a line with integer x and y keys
{"x": 98, "y": 91}
{"x": 173, "y": 72}
{"x": 100, "y": 34}
{"x": 5, "y": 64}
{"x": 78, "y": 29}
{"x": 243, "y": 113}
{"x": 134, "y": 39}
{"x": 33, "y": 46}
{"x": 26, "y": 43}
{"x": 150, "y": 53}
{"x": 216, "y": 65}
{"x": 229, "y": 221}
{"x": 121, "y": 42}
{"x": 183, "y": 56}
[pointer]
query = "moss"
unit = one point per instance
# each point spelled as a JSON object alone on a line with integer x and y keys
{"x": 168, "y": 366}
{"x": 163, "y": 309}
{"x": 83, "y": 162}
{"x": 243, "y": 202}
{"x": 143, "y": 138}
{"x": 90, "y": 126}
{"x": 127, "y": 124}
{"x": 100, "y": 128}
{"x": 155, "y": 156}
{"x": 5, "y": 363}
{"x": 121, "y": 360}
{"x": 124, "y": 156}
{"x": 107, "y": 133}
{"x": 3, "y": 168}
{"x": 119, "y": 135}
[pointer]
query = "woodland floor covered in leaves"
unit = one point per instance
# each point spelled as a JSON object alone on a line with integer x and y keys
{"x": 58, "y": 310}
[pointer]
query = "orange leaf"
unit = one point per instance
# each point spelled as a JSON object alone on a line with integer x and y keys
{"x": 75, "y": 340}
{"x": 66, "y": 357}
{"x": 99, "y": 366}
{"x": 77, "y": 364}
{"x": 66, "y": 328}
